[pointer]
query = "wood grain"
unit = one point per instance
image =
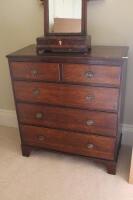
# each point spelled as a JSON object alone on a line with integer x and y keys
{"x": 89, "y": 145}
{"x": 97, "y": 98}
{"x": 98, "y": 74}
{"x": 35, "y": 71}
{"x": 69, "y": 119}
{"x": 60, "y": 110}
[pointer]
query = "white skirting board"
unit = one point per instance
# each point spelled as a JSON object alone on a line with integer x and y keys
{"x": 8, "y": 118}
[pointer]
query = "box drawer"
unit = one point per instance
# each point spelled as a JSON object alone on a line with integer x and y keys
{"x": 88, "y": 145}
{"x": 35, "y": 71}
{"x": 96, "y": 74}
{"x": 98, "y": 98}
{"x": 100, "y": 123}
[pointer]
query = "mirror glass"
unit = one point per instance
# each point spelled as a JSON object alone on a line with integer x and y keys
{"x": 65, "y": 16}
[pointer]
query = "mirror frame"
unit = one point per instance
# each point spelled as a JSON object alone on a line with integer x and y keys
{"x": 83, "y": 20}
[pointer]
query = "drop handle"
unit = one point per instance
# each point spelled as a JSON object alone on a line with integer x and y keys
{"x": 34, "y": 72}
{"x": 90, "y": 146}
{"x": 39, "y": 115}
{"x": 41, "y": 138}
{"x": 90, "y": 122}
{"x": 36, "y": 92}
{"x": 89, "y": 74}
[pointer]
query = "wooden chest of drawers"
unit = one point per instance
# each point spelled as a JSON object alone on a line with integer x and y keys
{"x": 71, "y": 103}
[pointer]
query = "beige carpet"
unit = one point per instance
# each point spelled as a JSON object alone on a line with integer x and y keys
{"x": 53, "y": 176}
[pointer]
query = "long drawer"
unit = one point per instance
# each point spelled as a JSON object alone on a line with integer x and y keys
{"x": 100, "y": 123}
{"x": 97, "y": 74}
{"x": 98, "y": 98}
{"x": 35, "y": 71}
{"x": 88, "y": 145}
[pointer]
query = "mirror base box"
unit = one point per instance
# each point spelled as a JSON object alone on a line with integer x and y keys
{"x": 63, "y": 44}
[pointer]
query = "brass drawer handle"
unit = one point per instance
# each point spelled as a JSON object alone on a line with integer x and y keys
{"x": 39, "y": 115}
{"x": 89, "y": 74}
{"x": 41, "y": 138}
{"x": 36, "y": 92}
{"x": 90, "y": 123}
{"x": 90, "y": 146}
{"x": 34, "y": 72}
{"x": 90, "y": 98}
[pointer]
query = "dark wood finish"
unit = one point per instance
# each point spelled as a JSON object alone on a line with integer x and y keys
{"x": 99, "y": 123}
{"x": 71, "y": 42}
{"x": 99, "y": 55}
{"x": 96, "y": 98}
{"x": 35, "y": 71}
{"x": 79, "y": 73}
{"x": 68, "y": 44}
{"x": 26, "y": 150}
{"x": 83, "y": 21}
{"x": 111, "y": 168}
{"x": 88, "y": 145}
{"x": 61, "y": 108}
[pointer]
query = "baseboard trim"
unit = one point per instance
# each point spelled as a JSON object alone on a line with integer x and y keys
{"x": 127, "y": 130}
{"x": 8, "y": 118}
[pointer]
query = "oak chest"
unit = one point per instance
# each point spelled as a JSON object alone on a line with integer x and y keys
{"x": 71, "y": 103}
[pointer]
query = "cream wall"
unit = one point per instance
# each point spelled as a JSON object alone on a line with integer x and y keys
{"x": 110, "y": 22}
{"x": 21, "y": 21}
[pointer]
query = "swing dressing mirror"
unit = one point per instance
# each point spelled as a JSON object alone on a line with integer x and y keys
{"x": 65, "y": 16}
{"x": 65, "y": 27}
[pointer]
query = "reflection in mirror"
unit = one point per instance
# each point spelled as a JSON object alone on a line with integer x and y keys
{"x": 65, "y": 16}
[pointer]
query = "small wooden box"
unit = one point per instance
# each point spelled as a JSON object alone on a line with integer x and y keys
{"x": 63, "y": 44}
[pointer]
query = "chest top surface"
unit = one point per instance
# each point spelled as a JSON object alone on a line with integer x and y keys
{"x": 103, "y": 53}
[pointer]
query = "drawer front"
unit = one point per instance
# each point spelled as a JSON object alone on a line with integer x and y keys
{"x": 69, "y": 119}
{"x": 35, "y": 71}
{"x": 64, "y": 95}
{"x": 88, "y": 145}
{"x": 97, "y": 74}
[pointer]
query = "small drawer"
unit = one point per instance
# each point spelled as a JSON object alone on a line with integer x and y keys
{"x": 98, "y": 98}
{"x": 88, "y": 145}
{"x": 96, "y": 74}
{"x": 35, "y": 71}
{"x": 100, "y": 123}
